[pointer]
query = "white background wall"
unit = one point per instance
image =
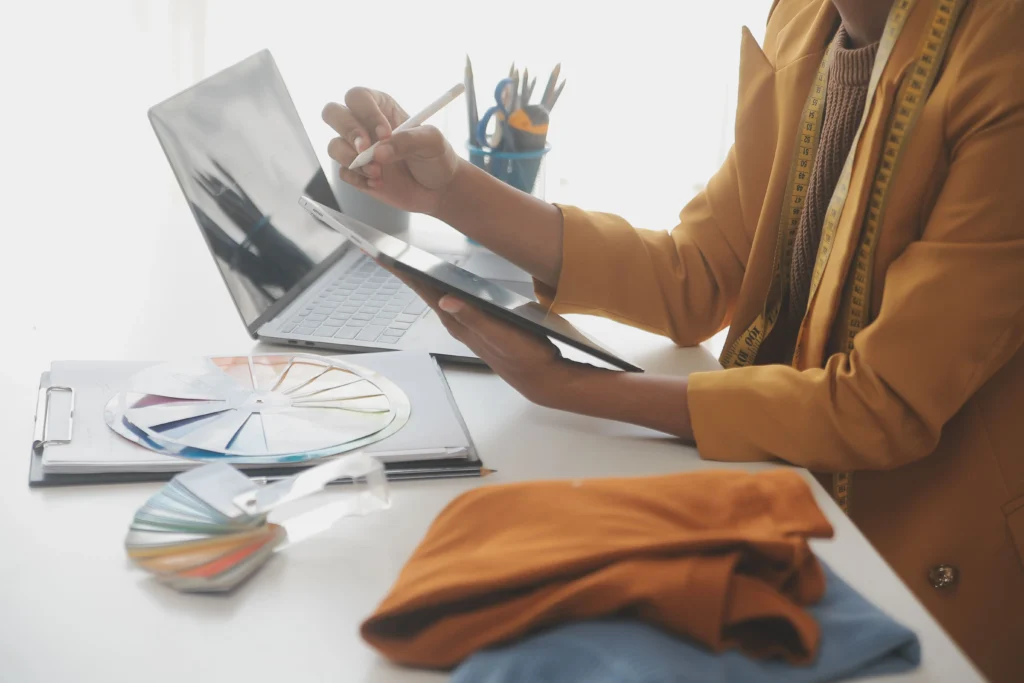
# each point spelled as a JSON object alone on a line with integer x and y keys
{"x": 645, "y": 118}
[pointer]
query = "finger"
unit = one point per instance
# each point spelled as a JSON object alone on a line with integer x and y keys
{"x": 396, "y": 115}
{"x": 345, "y": 123}
{"x": 487, "y": 327}
{"x": 355, "y": 178}
{"x": 365, "y": 105}
{"x": 341, "y": 151}
{"x": 472, "y": 317}
{"x": 421, "y": 142}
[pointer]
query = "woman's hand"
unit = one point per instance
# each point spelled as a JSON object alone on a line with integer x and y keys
{"x": 411, "y": 170}
{"x": 535, "y": 368}
{"x": 532, "y": 365}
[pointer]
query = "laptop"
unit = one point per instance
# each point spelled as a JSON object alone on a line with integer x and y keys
{"x": 242, "y": 158}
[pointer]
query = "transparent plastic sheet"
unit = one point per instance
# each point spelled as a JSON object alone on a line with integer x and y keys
{"x": 207, "y": 530}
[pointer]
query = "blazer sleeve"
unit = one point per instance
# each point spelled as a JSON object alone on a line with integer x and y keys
{"x": 681, "y": 284}
{"x": 950, "y": 316}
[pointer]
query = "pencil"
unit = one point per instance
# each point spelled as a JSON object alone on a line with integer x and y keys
{"x": 549, "y": 90}
{"x": 554, "y": 98}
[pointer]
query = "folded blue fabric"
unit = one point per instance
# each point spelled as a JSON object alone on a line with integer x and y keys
{"x": 857, "y": 640}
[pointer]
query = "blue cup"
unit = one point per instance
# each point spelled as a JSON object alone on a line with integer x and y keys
{"x": 518, "y": 169}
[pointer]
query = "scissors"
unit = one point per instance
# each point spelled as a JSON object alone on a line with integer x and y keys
{"x": 503, "y": 97}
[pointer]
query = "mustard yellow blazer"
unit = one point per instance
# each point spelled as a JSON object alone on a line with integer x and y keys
{"x": 928, "y": 409}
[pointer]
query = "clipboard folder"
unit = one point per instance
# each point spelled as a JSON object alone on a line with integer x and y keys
{"x": 69, "y": 422}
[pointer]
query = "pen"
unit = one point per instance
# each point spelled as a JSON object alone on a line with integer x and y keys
{"x": 366, "y": 156}
{"x": 402, "y": 475}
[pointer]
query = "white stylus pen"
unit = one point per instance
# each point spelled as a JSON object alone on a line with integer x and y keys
{"x": 366, "y": 156}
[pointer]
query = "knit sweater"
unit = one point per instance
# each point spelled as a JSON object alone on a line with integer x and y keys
{"x": 845, "y": 98}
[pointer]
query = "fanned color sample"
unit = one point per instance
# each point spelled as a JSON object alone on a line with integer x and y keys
{"x": 190, "y": 546}
{"x": 207, "y": 530}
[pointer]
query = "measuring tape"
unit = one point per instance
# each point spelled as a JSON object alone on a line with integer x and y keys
{"x": 855, "y": 310}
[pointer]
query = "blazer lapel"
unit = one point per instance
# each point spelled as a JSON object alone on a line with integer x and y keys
{"x": 821, "y": 317}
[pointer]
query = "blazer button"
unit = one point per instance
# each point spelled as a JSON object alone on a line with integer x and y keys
{"x": 943, "y": 576}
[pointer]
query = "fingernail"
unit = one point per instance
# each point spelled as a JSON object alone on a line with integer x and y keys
{"x": 383, "y": 153}
{"x": 450, "y": 304}
{"x": 358, "y": 143}
{"x": 382, "y": 131}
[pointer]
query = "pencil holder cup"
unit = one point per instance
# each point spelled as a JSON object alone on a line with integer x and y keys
{"x": 522, "y": 170}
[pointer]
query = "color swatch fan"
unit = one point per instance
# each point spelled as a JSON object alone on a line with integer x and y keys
{"x": 257, "y": 410}
{"x": 207, "y": 530}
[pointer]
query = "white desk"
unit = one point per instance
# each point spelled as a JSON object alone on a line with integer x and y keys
{"x": 73, "y": 609}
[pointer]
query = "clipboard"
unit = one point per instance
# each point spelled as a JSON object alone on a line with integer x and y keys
{"x": 69, "y": 415}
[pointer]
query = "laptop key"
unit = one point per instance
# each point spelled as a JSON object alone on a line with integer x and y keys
{"x": 370, "y": 333}
{"x": 339, "y": 316}
{"x": 288, "y": 328}
{"x": 399, "y": 326}
{"x": 327, "y": 330}
{"x": 352, "y": 322}
{"x": 387, "y": 339}
{"x": 394, "y": 332}
{"x": 363, "y": 316}
{"x": 416, "y": 307}
{"x": 305, "y": 330}
{"x": 346, "y": 333}
{"x": 316, "y": 317}
{"x": 384, "y": 322}
{"x": 406, "y": 318}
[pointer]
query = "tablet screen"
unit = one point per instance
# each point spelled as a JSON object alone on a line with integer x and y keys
{"x": 450, "y": 278}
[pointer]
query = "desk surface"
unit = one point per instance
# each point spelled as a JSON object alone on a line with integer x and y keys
{"x": 73, "y": 608}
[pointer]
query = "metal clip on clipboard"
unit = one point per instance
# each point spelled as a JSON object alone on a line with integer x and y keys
{"x": 235, "y": 495}
{"x": 41, "y": 439}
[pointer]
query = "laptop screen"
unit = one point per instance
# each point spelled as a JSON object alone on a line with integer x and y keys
{"x": 242, "y": 158}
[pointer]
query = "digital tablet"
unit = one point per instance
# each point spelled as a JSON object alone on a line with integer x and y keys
{"x": 506, "y": 304}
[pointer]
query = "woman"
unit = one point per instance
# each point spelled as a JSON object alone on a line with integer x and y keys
{"x": 918, "y": 259}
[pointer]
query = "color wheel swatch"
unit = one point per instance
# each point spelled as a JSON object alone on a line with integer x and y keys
{"x": 269, "y": 410}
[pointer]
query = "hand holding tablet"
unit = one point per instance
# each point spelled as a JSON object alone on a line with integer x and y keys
{"x": 416, "y": 264}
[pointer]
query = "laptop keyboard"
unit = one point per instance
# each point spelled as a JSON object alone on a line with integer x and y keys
{"x": 366, "y": 304}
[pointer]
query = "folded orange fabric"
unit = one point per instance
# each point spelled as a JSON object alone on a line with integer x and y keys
{"x": 720, "y": 556}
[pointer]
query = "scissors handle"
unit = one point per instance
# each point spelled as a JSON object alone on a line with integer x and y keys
{"x": 493, "y": 141}
{"x": 503, "y": 94}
